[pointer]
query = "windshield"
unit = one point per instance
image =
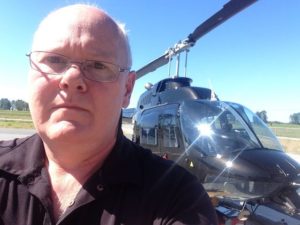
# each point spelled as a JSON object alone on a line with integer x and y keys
{"x": 216, "y": 128}
{"x": 262, "y": 131}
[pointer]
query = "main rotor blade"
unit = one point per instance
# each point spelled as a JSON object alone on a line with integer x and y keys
{"x": 229, "y": 9}
{"x": 150, "y": 67}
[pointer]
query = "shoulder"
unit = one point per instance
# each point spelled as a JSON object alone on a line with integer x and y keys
{"x": 156, "y": 168}
{"x": 9, "y": 145}
{"x": 154, "y": 164}
{"x": 19, "y": 154}
{"x": 173, "y": 190}
{"x": 17, "y": 143}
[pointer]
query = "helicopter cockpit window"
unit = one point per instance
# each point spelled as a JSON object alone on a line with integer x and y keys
{"x": 148, "y": 131}
{"x": 168, "y": 125}
{"x": 262, "y": 131}
{"x": 214, "y": 128}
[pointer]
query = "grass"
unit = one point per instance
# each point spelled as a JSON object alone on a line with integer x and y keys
{"x": 285, "y": 125}
{"x": 15, "y": 119}
{"x": 286, "y": 130}
{"x": 16, "y": 124}
{"x": 7, "y": 114}
{"x": 288, "y": 135}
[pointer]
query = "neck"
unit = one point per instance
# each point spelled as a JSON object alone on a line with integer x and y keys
{"x": 77, "y": 157}
{"x": 69, "y": 168}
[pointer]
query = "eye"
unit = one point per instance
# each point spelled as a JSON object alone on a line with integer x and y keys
{"x": 99, "y": 65}
{"x": 53, "y": 59}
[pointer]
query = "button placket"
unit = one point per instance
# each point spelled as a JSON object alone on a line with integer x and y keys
{"x": 100, "y": 185}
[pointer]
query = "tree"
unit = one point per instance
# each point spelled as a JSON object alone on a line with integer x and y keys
{"x": 295, "y": 118}
{"x": 5, "y": 104}
{"x": 263, "y": 115}
{"x": 20, "y": 105}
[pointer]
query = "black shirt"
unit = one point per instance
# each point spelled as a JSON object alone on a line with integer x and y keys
{"x": 133, "y": 187}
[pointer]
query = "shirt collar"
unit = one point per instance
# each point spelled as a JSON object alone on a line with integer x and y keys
{"x": 26, "y": 155}
{"x": 22, "y": 156}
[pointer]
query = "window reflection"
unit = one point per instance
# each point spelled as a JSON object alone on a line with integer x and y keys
{"x": 148, "y": 132}
{"x": 149, "y": 136}
{"x": 213, "y": 128}
{"x": 168, "y": 125}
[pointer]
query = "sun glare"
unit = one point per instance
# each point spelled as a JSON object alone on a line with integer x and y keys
{"x": 205, "y": 129}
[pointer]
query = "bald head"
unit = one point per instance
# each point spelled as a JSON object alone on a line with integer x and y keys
{"x": 84, "y": 27}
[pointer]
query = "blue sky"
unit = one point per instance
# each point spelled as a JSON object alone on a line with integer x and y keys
{"x": 252, "y": 59}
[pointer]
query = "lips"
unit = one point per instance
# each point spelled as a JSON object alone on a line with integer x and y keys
{"x": 69, "y": 107}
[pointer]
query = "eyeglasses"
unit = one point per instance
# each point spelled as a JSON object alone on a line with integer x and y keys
{"x": 57, "y": 64}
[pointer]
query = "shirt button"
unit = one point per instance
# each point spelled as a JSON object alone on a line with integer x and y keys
{"x": 100, "y": 187}
{"x": 71, "y": 203}
{"x": 30, "y": 180}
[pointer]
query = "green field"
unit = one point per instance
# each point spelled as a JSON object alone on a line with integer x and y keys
{"x": 15, "y": 119}
{"x": 286, "y": 130}
{"x": 289, "y": 136}
{"x": 15, "y": 114}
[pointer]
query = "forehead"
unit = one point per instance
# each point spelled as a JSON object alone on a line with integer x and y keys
{"x": 82, "y": 30}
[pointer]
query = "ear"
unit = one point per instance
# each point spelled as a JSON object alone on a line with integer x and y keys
{"x": 128, "y": 88}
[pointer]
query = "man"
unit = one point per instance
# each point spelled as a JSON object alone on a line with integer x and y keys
{"x": 79, "y": 168}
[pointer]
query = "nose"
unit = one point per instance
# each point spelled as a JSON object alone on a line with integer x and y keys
{"x": 73, "y": 79}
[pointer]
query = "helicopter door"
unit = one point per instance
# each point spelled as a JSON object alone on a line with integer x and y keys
{"x": 148, "y": 130}
{"x": 170, "y": 141}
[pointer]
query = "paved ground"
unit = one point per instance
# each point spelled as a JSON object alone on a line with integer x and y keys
{"x": 11, "y": 133}
{"x": 295, "y": 156}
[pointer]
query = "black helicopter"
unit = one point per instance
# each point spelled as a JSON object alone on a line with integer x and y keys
{"x": 231, "y": 151}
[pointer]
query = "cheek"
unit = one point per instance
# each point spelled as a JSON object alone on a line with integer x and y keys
{"x": 109, "y": 99}
{"x": 39, "y": 83}
{"x": 41, "y": 92}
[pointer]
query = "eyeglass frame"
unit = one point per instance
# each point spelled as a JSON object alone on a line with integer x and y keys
{"x": 81, "y": 63}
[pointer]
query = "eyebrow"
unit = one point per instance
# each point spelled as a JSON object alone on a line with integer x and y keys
{"x": 100, "y": 55}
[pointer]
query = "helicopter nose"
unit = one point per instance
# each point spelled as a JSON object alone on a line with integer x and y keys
{"x": 252, "y": 173}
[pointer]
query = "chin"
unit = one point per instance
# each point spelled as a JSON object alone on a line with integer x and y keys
{"x": 65, "y": 130}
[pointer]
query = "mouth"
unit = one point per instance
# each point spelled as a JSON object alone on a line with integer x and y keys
{"x": 68, "y": 107}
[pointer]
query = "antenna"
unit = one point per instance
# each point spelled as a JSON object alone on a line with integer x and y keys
{"x": 213, "y": 95}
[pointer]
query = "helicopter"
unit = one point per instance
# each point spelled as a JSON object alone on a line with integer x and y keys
{"x": 232, "y": 152}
